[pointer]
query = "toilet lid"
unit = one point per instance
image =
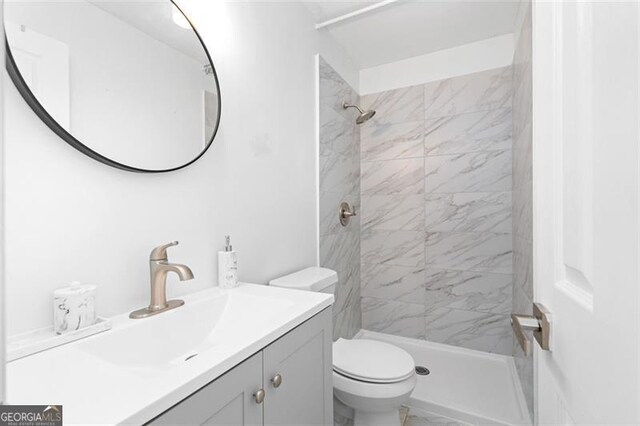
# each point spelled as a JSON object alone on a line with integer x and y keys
{"x": 372, "y": 361}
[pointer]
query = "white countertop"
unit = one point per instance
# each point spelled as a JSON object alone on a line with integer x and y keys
{"x": 110, "y": 378}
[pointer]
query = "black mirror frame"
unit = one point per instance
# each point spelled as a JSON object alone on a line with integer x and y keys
{"x": 42, "y": 113}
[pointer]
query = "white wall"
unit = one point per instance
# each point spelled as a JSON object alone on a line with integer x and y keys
{"x": 3, "y": 300}
{"x": 72, "y": 218}
{"x": 496, "y": 52}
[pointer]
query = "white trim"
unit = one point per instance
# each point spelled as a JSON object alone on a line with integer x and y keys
{"x": 317, "y": 159}
{"x": 638, "y": 200}
{"x": 355, "y": 13}
{"x": 547, "y": 91}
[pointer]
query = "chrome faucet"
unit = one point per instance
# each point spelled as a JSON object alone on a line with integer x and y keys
{"x": 159, "y": 267}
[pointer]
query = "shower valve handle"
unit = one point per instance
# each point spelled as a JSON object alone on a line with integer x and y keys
{"x": 345, "y": 213}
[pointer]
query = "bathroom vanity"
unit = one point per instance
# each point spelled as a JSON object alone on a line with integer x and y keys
{"x": 249, "y": 355}
{"x": 285, "y": 383}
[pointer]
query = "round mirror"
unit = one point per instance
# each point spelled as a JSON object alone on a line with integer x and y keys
{"x": 129, "y": 83}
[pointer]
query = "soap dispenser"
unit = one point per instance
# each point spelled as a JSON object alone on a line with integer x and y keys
{"x": 227, "y": 266}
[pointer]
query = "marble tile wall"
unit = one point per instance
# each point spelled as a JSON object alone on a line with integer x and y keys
{"x": 523, "y": 196}
{"x": 436, "y": 243}
{"x": 340, "y": 181}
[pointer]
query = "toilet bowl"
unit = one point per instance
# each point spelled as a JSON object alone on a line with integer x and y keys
{"x": 374, "y": 378}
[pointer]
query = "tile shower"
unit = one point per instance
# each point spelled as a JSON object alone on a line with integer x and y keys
{"x": 441, "y": 249}
{"x": 436, "y": 243}
{"x": 339, "y": 179}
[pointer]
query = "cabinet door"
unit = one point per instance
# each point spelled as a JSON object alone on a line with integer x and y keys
{"x": 227, "y": 401}
{"x": 303, "y": 360}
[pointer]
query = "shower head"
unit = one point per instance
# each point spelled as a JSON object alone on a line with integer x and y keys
{"x": 364, "y": 115}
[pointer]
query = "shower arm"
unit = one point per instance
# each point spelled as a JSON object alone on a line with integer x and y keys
{"x": 346, "y": 105}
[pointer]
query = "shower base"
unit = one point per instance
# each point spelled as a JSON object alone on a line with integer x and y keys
{"x": 463, "y": 385}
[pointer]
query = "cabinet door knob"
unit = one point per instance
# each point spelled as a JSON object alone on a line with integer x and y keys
{"x": 276, "y": 381}
{"x": 259, "y": 396}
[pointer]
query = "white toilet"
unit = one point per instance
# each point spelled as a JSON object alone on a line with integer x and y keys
{"x": 373, "y": 378}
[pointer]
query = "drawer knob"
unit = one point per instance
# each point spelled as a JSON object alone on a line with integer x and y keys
{"x": 276, "y": 381}
{"x": 259, "y": 396}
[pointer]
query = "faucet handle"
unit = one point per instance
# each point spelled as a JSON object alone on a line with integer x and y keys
{"x": 160, "y": 252}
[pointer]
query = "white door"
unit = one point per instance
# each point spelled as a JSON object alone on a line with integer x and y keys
{"x": 586, "y": 209}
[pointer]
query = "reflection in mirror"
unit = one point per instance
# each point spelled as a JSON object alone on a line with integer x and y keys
{"x": 128, "y": 83}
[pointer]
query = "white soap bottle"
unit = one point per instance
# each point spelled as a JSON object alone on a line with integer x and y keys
{"x": 227, "y": 266}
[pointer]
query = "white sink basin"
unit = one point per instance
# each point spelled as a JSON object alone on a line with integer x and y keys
{"x": 141, "y": 367}
{"x": 165, "y": 338}
{"x": 186, "y": 332}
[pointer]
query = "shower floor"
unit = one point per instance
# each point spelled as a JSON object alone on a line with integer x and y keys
{"x": 463, "y": 385}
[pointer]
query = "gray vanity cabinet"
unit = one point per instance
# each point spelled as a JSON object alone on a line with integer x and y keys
{"x": 226, "y": 401}
{"x": 298, "y": 375}
{"x": 294, "y": 372}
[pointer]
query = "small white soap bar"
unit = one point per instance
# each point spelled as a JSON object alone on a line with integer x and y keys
{"x": 74, "y": 307}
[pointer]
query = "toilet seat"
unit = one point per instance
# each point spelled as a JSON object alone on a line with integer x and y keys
{"x": 371, "y": 361}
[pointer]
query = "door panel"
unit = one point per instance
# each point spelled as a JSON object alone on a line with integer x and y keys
{"x": 303, "y": 358}
{"x": 227, "y": 401}
{"x": 586, "y": 167}
{"x": 576, "y": 164}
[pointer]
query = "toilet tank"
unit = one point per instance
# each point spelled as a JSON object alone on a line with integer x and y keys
{"x": 315, "y": 278}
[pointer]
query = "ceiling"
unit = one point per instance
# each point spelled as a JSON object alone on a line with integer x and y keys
{"x": 328, "y": 9}
{"x": 410, "y": 28}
